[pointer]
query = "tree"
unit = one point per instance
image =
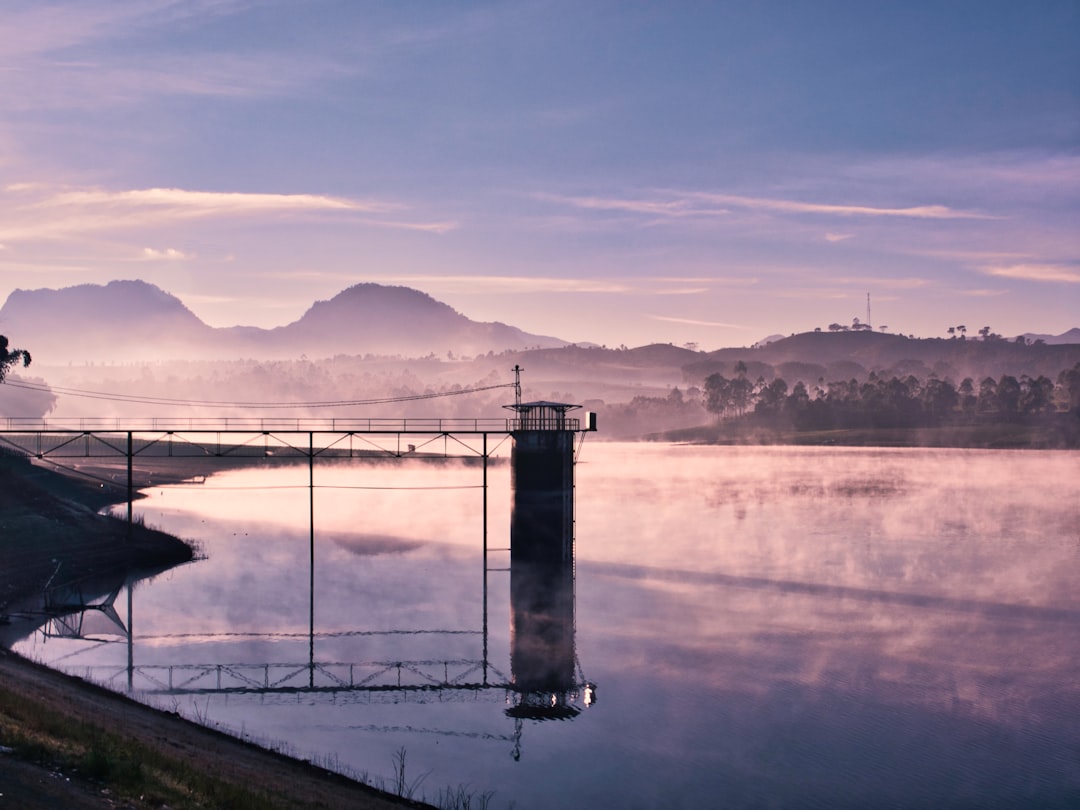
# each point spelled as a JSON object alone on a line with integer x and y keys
{"x": 987, "y": 399}
{"x": 741, "y": 389}
{"x": 11, "y": 357}
{"x": 771, "y": 397}
{"x": 717, "y": 394}
{"x": 968, "y": 399}
{"x": 1069, "y": 380}
{"x": 1036, "y": 395}
{"x": 939, "y": 399}
{"x": 1008, "y": 396}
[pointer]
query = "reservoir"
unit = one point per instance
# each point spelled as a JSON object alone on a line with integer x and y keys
{"x": 739, "y": 627}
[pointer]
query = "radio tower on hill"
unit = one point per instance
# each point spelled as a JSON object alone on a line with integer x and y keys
{"x": 869, "y": 323}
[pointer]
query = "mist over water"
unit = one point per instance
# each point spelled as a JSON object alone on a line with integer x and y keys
{"x": 780, "y": 626}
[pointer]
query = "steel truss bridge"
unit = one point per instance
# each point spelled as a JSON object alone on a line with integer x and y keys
{"x": 154, "y": 443}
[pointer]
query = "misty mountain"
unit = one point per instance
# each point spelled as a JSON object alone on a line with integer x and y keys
{"x": 134, "y": 321}
{"x": 1072, "y": 336}
{"x": 376, "y": 319}
{"x": 90, "y": 322}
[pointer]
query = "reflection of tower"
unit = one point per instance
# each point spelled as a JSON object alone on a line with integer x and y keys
{"x": 542, "y": 653}
{"x": 542, "y": 656}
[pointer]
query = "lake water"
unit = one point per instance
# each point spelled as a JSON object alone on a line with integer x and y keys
{"x": 754, "y": 627}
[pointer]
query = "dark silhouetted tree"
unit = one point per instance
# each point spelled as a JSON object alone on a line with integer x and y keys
{"x": 967, "y": 396}
{"x": 11, "y": 357}
{"x": 987, "y": 400}
{"x": 717, "y": 392}
{"x": 1008, "y": 396}
{"x": 1036, "y": 395}
{"x": 1069, "y": 380}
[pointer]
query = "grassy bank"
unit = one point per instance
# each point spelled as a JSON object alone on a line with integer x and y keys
{"x": 67, "y": 743}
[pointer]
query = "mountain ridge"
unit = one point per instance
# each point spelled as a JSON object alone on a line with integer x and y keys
{"x": 131, "y": 320}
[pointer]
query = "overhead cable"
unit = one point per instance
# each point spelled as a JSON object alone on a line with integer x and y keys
{"x": 149, "y": 400}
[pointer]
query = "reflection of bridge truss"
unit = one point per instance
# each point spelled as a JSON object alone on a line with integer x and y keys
{"x": 158, "y": 442}
{"x": 419, "y": 679}
{"x": 459, "y": 675}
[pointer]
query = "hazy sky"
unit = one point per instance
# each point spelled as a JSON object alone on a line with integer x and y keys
{"x": 621, "y": 172}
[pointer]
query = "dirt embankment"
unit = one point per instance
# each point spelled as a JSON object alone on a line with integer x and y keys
{"x": 95, "y": 749}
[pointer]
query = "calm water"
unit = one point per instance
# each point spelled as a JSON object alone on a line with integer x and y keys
{"x": 763, "y": 626}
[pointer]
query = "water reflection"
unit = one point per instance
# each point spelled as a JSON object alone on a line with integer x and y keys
{"x": 77, "y": 608}
{"x": 770, "y": 626}
{"x": 236, "y": 631}
{"x": 543, "y": 658}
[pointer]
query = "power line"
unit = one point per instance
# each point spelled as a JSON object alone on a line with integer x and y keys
{"x": 149, "y": 400}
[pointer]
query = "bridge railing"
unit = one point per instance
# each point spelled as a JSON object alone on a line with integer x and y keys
{"x": 260, "y": 424}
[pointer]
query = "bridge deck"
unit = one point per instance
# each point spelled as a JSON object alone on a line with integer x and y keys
{"x": 242, "y": 424}
{"x": 246, "y": 437}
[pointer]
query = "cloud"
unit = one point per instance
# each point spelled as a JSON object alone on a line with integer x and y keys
{"x": 663, "y": 208}
{"x": 200, "y": 202}
{"x": 34, "y": 212}
{"x": 427, "y": 227}
{"x": 682, "y": 291}
{"x": 50, "y": 27}
{"x": 517, "y": 284}
{"x": 169, "y": 254}
{"x": 800, "y": 207}
{"x": 84, "y": 55}
{"x": 909, "y": 283}
{"x": 692, "y": 322}
{"x": 982, "y": 293}
{"x": 712, "y": 281}
{"x": 1035, "y": 272}
{"x": 838, "y": 237}
{"x": 682, "y": 204}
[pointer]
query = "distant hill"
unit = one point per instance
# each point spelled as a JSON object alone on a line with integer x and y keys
{"x": 134, "y": 320}
{"x": 846, "y": 355}
{"x": 1072, "y": 336}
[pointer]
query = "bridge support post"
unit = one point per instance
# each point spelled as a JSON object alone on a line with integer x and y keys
{"x": 130, "y": 486}
{"x": 311, "y": 560}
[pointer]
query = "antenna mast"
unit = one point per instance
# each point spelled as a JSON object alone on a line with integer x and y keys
{"x": 868, "y": 321}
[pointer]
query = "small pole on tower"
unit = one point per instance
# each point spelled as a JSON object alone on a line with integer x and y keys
{"x": 517, "y": 384}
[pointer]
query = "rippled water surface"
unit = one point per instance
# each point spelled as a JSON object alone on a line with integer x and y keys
{"x": 760, "y": 626}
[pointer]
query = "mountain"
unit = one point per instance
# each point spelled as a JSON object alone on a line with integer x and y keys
{"x": 136, "y": 321}
{"x": 1072, "y": 336}
{"x": 89, "y": 322}
{"x": 376, "y": 319}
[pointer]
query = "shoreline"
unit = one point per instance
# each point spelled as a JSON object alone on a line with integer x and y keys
{"x": 66, "y": 742}
{"x": 1005, "y": 436}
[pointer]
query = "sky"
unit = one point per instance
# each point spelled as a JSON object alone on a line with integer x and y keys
{"x": 623, "y": 173}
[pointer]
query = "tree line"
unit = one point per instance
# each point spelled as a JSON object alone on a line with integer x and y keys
{"x": 891, "y": 402}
